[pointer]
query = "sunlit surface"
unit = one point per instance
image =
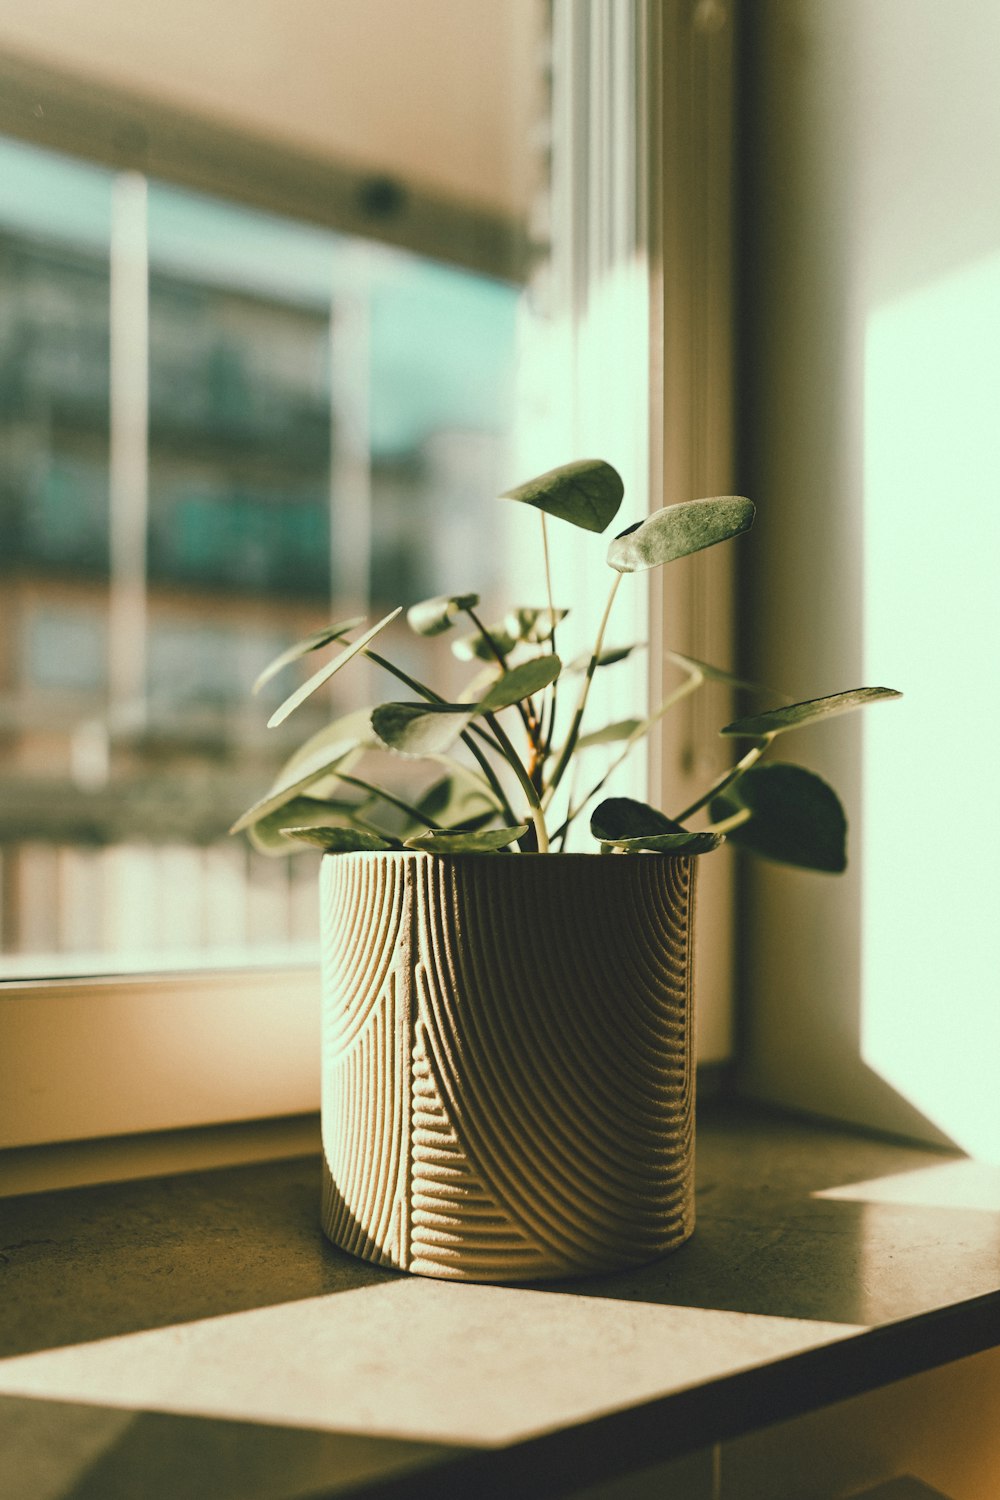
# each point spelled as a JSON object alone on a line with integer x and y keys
{"x": 931, "y": 858}
{"x": 949, "y": 1184}
{"x": 407, "y": 1359}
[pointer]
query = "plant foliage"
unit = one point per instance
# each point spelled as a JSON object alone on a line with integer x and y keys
{"x": 495, "y": 794}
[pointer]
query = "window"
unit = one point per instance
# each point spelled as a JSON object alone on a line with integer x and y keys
{"x": 217, "y": 421}
{"x": 624, "y": 80}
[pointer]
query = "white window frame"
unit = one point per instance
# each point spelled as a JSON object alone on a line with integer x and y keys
{"x": 119, "y": 1055}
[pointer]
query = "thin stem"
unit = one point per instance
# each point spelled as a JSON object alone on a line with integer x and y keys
{"x": 390, "y": 797}
{"x": 552, "y": 691}
{"x": 527, "y": 713}
{"x": 753, "y": 754}
{"x": 694, "y": 681}
{"x": 427, "y": 693}
{"x": 527, "y": 786}
{"x": 726, "y": 825}
{"x": 569, "y": 744}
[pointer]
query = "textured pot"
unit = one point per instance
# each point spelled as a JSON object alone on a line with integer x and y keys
{"x": 508, "y": 1079}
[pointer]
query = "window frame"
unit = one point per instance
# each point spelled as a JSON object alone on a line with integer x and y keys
{"x": 682, "y": 87}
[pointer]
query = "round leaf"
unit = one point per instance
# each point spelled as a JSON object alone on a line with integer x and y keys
{"x": 476, "y": 647}
{"x": 611, "y": 734}
{"x": 268, "y": 836}
{"x": 533, "y": 625}
{"x": 618, "y": 818}
{"x": 715, "y": 674}
{"x": 666, "y": 843}
{"x": 421, "y": 728}
{"x": 678, "y": 530}
{"x": 794, "y": 715}
{"x": 586, "y": 493}
{"x": 795, "y": 817}
{"x": 321, "y": 755}
{"x": 520, "y": 682}
{"x": 340, "y": 840}
{"x": 326, "y": 672}
{"x": 487, "y": 840}
{"x": 608, "y": 658}
{"x": 313, "y": 642}
{"x": 434, "y": 616}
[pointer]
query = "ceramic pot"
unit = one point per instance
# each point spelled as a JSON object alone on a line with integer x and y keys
{"x": 508, "y": 1078}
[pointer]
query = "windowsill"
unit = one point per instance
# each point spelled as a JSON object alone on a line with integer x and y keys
{"x": 201, "y": 1319}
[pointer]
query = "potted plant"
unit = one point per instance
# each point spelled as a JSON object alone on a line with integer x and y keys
{"x": 508, "y": 1080}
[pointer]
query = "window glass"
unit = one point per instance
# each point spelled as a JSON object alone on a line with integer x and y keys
{"x": 220, "y": 430}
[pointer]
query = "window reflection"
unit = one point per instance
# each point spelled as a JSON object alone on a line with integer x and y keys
{"x": 320, "y": 415}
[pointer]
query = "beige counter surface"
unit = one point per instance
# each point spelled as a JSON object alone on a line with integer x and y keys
{"x": 196, "y": 1336}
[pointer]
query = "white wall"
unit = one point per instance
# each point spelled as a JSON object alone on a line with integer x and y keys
{"x": 870, "y": 400}
{"x": 436, "y": 91}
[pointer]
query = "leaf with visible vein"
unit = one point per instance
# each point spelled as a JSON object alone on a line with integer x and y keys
{"x": 666, "y": 843}
{"x": 267, "y": 833}
{"x": 794, "y": 715}
{"x": 520, "y": 683}
{"x": 341, "y": 840}
{"x": 326, "y": 672}
{"x": 795, "y": 817}
{"x": 314, "y": 642}
{"x": 678, "y": 530}
{"x": 484, "y": 842}
{"x": 322, "y": 754}
{"x": 421, "y": 728}
{"x": 586, "y": 493}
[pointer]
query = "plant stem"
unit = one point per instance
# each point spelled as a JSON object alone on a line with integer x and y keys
{"x": 735, "y": 821}
{"x": 694, "y": 681}
{"x": 527, "y": 713}
{"x": 753, "y": 754}
{"x": 569, "y": 745}
{"x": 527, "y": 786}
{"x": 427, "y": 693}
{"x": 390, "y": 797}
{"x": 552, "y": 693}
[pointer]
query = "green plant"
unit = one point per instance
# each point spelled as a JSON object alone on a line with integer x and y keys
{"x": 499, "y": 797}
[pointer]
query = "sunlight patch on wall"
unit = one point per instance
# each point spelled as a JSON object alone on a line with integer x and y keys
{"x": 930, "y": 1002}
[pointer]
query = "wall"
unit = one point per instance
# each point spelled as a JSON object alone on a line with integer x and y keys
{"x": 436, "y": 91}
{"x": 870, "y": 367}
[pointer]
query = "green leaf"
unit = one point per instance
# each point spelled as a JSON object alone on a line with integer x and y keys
{"x": 624, "y": 729}
{"x": 666, "y": 843}
{"x": 312, "y": 642}
{"x": 337, "y": 745}
{"x": 476, "y": 647}
{"x": 796, "y": 818}
{"x": 421, "y": 728}
{"x": 267, "y": 833}
{"x": 520, "y": 682}
{"x": 341, "y": 840}
{"x": 434, "y": 616}
{"x": 618, "y": 818}
{"x": 482, "y": 842}
{"x": 715, "y": 674}
{"x": 326, "y": 672}
{"x": 586, "y": 493}
{"x": 678, "y": 530}
{"x": 457, "y": 801}
{"x": 533, "y": 625}
{"x": 794, "y": 715}
{"x": 609, "y": 658}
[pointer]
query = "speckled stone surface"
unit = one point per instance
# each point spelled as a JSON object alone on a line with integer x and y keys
{"x": 196, "y": 1335}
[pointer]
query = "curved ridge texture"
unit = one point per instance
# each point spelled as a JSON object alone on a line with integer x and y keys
{"x": 508, "y": 1081}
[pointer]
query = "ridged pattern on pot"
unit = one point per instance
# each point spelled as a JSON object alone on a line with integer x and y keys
{"x": 545, "y": 1121}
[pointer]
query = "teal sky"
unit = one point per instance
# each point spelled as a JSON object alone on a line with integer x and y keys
{"x": 442, "y": 339}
